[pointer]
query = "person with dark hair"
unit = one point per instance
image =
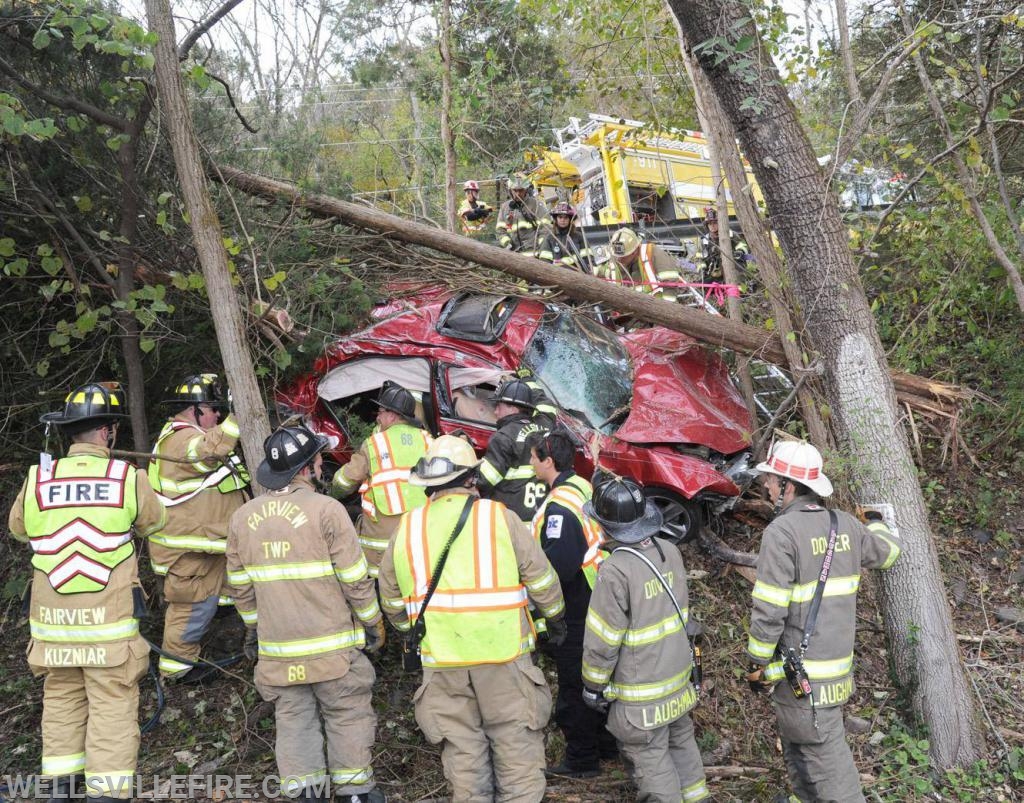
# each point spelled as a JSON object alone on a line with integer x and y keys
{"x": 571, "y": 540}
{"x": 201, "y": 480}
{"x": 812, "y": 651}
{"x": 303, "y": 589}
{"x": 79, "y": 514}
{"x": 505, "y": 474}
{"x": 380, "y": 471}
{"x": 636, "y": 655}
{"x": 456, "y": 579}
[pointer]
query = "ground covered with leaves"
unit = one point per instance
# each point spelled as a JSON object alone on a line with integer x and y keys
{"x": 223, "y": 728}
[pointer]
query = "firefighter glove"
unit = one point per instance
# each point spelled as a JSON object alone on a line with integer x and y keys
{"x": 755, "y": 679}
{"x": 375, "y": 637}
{"x": 250, "y": 647}
{"x": 557, "y": 631}
{"x": 594, "y": 698}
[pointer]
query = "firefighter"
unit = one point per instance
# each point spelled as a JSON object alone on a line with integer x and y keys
{"x": 523, "y": 219}
{"x": 563, "y": 244}
{"x": 793, "y": 548}
{"x": 202, "y": 482}
{"x": 505, "y": 474}
{"x": 302, "y": 586}
{"x": 482, "y": 699}
{"x": 571, "y": 540}
{"x": 711, "y": 251}
{"x": 78, "y": 513}
{"x": 380, "y": 471}
{"x": 636, "y": 656}
{"x": 646, "y": 265}
{"x": 474, "y": 213}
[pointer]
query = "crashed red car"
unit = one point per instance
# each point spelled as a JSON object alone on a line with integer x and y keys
{"x": 663, "y": 409}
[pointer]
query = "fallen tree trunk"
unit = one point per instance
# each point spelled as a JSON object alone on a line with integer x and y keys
{"x": 926, "y": 395}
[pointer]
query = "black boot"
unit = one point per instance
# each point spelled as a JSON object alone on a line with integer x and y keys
{"x": 375, "y": 795}
{"x": 66, "y": 788}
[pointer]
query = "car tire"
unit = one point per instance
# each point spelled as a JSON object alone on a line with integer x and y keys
{"x": 683, "y": 518}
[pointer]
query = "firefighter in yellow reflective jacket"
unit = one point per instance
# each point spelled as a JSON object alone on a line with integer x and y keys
{"x": 636, "y": 656}
{"x": 474, "y": 213}
{"x": 380, "y": 471}
{"x": 201, "y": 481}
{"x": 482, "y": 698}
{"x": 302, "y": 587}
{"x": 523, "y": 219}
{"x": 645, "y": 266}
{"x": 79, "y": 513}
{"x": 793, "y": 549}
{"x": 571, "y": 540}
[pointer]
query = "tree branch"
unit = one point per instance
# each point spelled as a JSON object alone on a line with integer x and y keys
{"x": 72, "y": 104}
{"x": 231, "y": 99}
{"x": 203, "y": 26}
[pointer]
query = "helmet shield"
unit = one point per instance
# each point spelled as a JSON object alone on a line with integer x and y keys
{"x": 448, "y": 458}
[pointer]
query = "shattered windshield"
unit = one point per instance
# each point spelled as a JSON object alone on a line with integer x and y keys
{"x": 584, "y": 366}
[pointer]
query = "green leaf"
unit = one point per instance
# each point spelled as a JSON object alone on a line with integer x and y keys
{"x": 6, "y": 247}
{"x": 1000, "y": 114}
{"x": 52, "y": 265}
{"x": 83, "y": 202}
{"x": 744, "y": 44}
{"x": 147, "y": 344}
{"x": 58, "y": 339}
{"x": 273, "y": 282}
{"x": 43, "y": 367}
{"x": 41, "y": 40}
{"x": 17, "y": 267}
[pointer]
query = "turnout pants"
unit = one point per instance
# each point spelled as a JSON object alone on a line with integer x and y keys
{"x": 818, "y": 760}
{"x": 489, "y": 721}
{"x": 666, "y": 761}
{"x": 340, "y": 708}
{"x": 91, "y": 722}
{"x": 192, "y": 590}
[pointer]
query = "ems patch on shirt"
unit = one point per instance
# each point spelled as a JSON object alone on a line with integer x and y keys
{"x": 554, "y": 528}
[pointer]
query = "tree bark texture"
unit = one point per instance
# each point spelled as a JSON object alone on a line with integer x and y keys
{"x": 206, "y": 231}
{"x": 447, "y": 135}
{"x": 857, "y": 384}
{"x": 720, "y": 134}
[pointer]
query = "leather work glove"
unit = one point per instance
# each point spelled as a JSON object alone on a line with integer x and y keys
{"x": 250, "y": 647}
{"x": 375, "y": 636}
{"x": 755, "y": 679}
{"x": 594, "y": 698}
{"x": 557, "y": 631}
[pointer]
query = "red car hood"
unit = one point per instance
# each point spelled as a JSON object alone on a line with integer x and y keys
{"x": 682, "y": 393}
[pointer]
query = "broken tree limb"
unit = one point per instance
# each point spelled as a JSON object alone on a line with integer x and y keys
{"x": 714, "y": 330}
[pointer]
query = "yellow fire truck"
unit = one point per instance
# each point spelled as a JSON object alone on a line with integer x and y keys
{"x": 609, "y": 167}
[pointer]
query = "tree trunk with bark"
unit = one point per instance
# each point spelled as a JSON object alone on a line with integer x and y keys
{"x": 447, "y": 135}
{"x": 718, "y": 129}
{"x": 206, "y": 231}
{"x": 857, "y": 384}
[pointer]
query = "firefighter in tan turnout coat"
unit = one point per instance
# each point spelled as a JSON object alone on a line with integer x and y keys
{"x": 79, "y": 513}
{"x": 201, "y": 485}
{"x": 302, "y": 587}
{"x": 482, "y": 699}
{"x": 636, "y": 656}
{"x": 793, "y": 549}
{"x": 380, "y": 471}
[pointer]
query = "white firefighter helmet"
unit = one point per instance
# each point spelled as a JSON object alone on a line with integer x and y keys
{"x": 623, "y": 244}
{"x": 798, "y": 461}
